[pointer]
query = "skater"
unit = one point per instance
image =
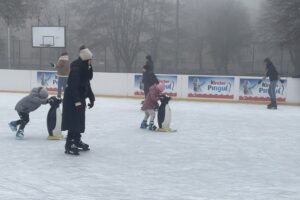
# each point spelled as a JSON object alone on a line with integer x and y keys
{"x": 149, "y": 78}
{"x": 29, "y": 103}
{"x": 74, "y": 102}
{"x": 272, "y": 73}
{"x": 63, "y": 70}
{"x": 150, "y": 104}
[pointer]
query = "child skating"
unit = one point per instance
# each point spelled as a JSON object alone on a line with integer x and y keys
{"x": 150, "y": 104}
{"x": 29, "y": 103}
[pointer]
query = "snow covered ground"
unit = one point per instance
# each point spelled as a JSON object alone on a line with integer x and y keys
{"x": 220, "y": 152}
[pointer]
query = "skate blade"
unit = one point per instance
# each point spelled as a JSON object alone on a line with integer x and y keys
{"x": 20, "y": 138}
{"x": 83, "y": 150}
{"x": 55, "y": 137}
{"x": 72, "y": 153}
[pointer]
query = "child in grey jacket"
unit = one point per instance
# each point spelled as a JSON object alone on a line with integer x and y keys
{"x": 29, "y": 103}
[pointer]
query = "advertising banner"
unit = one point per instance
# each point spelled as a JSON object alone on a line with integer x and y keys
{"x": 250, "y": 90}
{"x": 47, "y": 79}
{"x": 169, "y": 80}
{"x": 211, "y": 87}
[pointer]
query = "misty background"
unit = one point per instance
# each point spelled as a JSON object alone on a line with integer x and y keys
{"x": 224, "y": 37}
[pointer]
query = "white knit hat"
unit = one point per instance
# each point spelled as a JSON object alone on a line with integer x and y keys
{"x": 85, "y": 54}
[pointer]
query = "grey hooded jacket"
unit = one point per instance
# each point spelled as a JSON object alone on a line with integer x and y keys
{"x": 33, "y": 101}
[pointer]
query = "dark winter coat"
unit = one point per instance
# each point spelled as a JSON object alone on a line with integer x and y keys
{"x": 152, "y": 98}
{"x": 77, "y": 90}
{"x": 271, "y": 71}
{"x": 149, "y": 79}
{"x": 149, "y": 66}
{"x": 33, "y": 101}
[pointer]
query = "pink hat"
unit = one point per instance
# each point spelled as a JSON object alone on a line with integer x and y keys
{"x": 161, "y": 86}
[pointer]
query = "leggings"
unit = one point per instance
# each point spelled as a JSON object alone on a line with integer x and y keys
{"x": 24, "y": 119}
{"x": 149, "y": 113}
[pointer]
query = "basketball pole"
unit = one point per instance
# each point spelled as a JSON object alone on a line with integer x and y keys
{"x": 8, "y": 45}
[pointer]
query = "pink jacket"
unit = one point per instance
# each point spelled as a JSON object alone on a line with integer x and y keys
{"x": 152, "y": 98}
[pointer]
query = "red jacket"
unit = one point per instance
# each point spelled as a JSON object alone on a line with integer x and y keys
{"x": 152, "y": 98}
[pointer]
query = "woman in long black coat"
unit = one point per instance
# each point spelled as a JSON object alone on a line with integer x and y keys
{"x": 149, "y": 78}
{"x": 74, "y": 102}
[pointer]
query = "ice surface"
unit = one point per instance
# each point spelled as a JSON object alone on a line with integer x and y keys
{"x": 220, "y": 152}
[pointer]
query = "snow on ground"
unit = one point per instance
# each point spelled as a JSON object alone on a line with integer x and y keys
{"x": 220, "y": 152}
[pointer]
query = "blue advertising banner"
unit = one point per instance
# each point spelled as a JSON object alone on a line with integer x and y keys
{"x": 47, "y": 79}
{"x": 211, "y": 87}
{"x": 170, "y": 84}
{"x": 250, "y": 90}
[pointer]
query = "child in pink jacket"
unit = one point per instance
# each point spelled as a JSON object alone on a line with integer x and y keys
{"x": 149, "y": 105}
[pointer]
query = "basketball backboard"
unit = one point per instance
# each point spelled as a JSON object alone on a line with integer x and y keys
{"x": 48, "y": 37}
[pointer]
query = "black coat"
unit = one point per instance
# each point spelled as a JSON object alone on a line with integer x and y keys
{"x": 271, "y": 72}
{"x": 149, "y": 78}
{"x": 77, "y": 90}
{"x": 149, "y": 66}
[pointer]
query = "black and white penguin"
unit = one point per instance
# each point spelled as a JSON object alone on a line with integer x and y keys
{"x": 164, "y": 114}
{"x": 54, "y": 119}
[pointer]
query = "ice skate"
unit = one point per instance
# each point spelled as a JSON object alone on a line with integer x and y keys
{"x": 13, "y": 126}
{"x": 20, "y": 135}
{"x": 272, "y": 105}
{"x": 82, "y": 146}
{"x": 152, "y": 127}
{"x": 144, "y": 124}
{"x": 71, "y": 148}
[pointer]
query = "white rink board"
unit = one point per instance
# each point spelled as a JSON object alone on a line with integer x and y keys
{"x": 122, "y": 84}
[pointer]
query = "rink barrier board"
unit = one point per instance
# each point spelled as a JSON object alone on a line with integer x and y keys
{"x": 123, "y": 85}
{"x": 176, "y": 99}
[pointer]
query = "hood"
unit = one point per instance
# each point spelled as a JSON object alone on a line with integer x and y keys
{"x": 41, "y": 92}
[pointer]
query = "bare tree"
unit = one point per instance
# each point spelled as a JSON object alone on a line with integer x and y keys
{"x": 228, "y": 31}
{"x": 282, "y": 25}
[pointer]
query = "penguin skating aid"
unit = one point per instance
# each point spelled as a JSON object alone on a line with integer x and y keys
{"x": 54, "y": 119}
{"x": 164, "y": 115}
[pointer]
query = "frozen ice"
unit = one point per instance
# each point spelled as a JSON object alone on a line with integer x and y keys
{"x": 221, "y": 152}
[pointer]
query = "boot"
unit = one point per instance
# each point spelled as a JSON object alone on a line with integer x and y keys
{"x": 71, "y": 148}
{"x": 82, "y": 146}
{"x": 13, "y": 126}
{"x": 152, "y": 127}
{"x": 144, "y": 124}
{"x": 269, "y": 106}
{"x": 272, "y": 105}
{"x": 20, "y": 134}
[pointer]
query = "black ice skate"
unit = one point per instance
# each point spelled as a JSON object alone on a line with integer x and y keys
{"x": 82, "y": 146}
{"x": 272, "y": 105}
{"x": 71, "y": 148}
{"x": 152, "y": 127}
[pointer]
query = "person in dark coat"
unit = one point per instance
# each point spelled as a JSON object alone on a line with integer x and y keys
{"x": 149, "y": 64}
{"x": 273, "y": 75}
{"x": 149, "y": 78}
{"x": 74, "y": 102}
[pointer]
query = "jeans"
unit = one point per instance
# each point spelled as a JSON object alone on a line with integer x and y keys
{"x": 62, "y": 82}
{"x": 271, "y": 90}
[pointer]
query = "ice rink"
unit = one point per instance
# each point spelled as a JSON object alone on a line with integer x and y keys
{"x": 220, "y": 152}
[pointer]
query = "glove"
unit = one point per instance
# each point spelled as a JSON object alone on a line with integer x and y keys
{"x": 281, "y": 81}
{"x": 259, "y": 82}
{"x": 50, "y": 100}
{"x": 78, "y": 106}
{"x": 91, "y": 104}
